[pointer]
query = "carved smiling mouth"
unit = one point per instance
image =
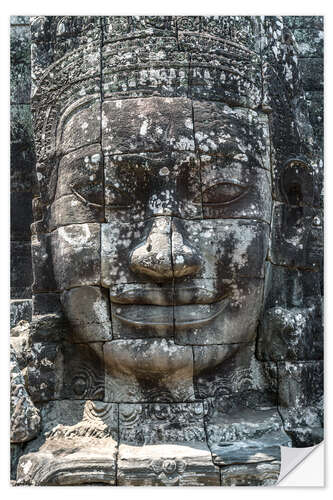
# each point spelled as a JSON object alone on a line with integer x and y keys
{"x": 164, "y": 317}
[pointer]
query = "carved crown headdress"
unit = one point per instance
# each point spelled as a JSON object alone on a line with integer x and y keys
{"x": 241, "y": 61}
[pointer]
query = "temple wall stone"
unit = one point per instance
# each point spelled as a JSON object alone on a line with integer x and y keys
{"x": 22, "y": 168}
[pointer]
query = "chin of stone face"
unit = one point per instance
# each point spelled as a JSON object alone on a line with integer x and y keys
{"x": 166, "y": 248}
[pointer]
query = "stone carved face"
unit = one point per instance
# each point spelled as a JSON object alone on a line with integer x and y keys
{"x": 161, "y": 219}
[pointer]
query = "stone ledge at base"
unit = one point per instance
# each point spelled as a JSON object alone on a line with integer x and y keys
{"x": 71, "y": 462}
{"x": 167, "y": 465}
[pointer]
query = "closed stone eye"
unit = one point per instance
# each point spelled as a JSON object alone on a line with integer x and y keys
{"x": 223, "y": 193}
{"x": 84, "y": 200}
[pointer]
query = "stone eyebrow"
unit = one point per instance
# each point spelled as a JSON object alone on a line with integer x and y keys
{"x": 232, "y": 154}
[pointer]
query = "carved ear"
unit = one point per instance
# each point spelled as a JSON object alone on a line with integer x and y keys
{"x": 296, "y": 183}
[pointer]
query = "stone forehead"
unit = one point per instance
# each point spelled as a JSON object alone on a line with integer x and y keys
{"x": 126, "y": 57}
{"x": 158, "y": 123}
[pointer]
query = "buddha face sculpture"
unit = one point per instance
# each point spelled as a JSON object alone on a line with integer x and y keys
{"x": 176, "y": 294}
{"x": 157, "y": 186}
{"x": 162, "y": 230}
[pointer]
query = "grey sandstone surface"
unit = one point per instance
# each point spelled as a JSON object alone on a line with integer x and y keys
{"x": 166, "y": 248}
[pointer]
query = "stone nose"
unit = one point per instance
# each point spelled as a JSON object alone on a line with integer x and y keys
{"x": 164, "y": 255}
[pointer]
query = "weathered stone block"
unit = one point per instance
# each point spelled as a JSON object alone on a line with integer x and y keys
{"x": 164, "y": 444}
{"x": 46, "y": 303}
{"x": 144, "y": 65}
{"x": 82, "y": 170}
{"x": 83, "y": 371}
{"x": 261, "y": 474}
{"x": 24, "y": 417}
{"x": 155, "y": 24}
{"x": 20, "y": 310}
{"x": 239, "y": 29}
{"x": 301, "y": 401}
{"x": 117, "y": 240}
{"x": 73, "y": 371}
{"x": 310, "y": 42}
{"x": 291, "y": 327}
{"x": 245, "y": 436}
{"x": 20, "y": 67}
{"x": 49, "y": 323}
{"x": 69, "y": 58}
{"x": 309, "y": 22}
{"x": 76, "y": 255}
{"x": 19, "y": 20}
{"x": 239, "y": 247}
{"x": 20, "y": 125}
{"x": 115, "y": 27}
{"x": 188, "y": 23}
{"x": 69, "y": 42}
{"x": 16, "y": 450}
{"x": 152, "y": 370}
{"x": 140, "y": 293}
{"x": 151, "y": 124}
{"x": 218, "y": 84}
{"x": 231, "y": 189}
{"x": 79, "y": 128}
{"x": 22, "y": 161}
{"x": 291, "y": 334}
{"x": 217, "y": 312}
{"x": 300, "y": 183}
{"x": 166, "y": 465}
{"x": 297, "y": 237}
{"x": 233, "y": 377}
{"x": 20, "y": 44}
{"x": 78, "y": 446}
{"x": 21, "y": 215}
{"x": 87, "y": 310}
{"x": 49, "y": 328}
{"x": 139, "y": 186}
{"x": 44, "y": 371}
{"x": 72, "y": 209}
{"x": 20, "y": 86}
{"x": 313, "y": 73}
{"x": 20, "y": 341}
{"x": 239, "y": 134}
{"x": 316, "y": 115}
{"x": 143, "y": 424}
{"x": 64, "y": 71}
{"x": 20, "y": 266}
{"x": 42, "y": 264}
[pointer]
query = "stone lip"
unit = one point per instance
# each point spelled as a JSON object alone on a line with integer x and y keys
{"x": 154, "y": 319}
{"x": 168, "y": 296}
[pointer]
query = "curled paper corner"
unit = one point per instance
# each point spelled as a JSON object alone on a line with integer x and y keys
{"x": 292, "y": 458}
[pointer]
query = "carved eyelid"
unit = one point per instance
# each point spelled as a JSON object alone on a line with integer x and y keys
{"x": 232, "y": 182}
{"x": 83, "y": 199}
{"x": 243, "y": 190}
